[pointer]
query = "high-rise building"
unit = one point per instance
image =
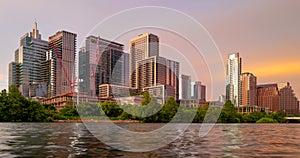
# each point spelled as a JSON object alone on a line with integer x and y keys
{"x": 248, "y": 89}
{"x": 14, "y": 74}
{"x": 185, "y": 87}
{"x": 151, "y": 72}
{"x": 288, "y": 102}
{"x": 141, "y": 47}
{"x": 172, "y": 76}
{"x": 199, "y": 91}
{"x": 278, "y": 97}
{"x": 62, "y": 52}
{"x": 25, "y": 71}
{"x": 158, "y": 74}
{"x": 268, "y": 97}
{"x": 233, "y": 84}
{"x": 102, "y": 62}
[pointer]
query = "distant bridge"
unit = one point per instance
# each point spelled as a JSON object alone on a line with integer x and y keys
{"x": 291, "y": 118}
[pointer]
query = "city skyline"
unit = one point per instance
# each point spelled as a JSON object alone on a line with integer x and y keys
{"x": 270, "y": 49}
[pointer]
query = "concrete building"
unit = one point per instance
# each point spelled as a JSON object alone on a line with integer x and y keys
{"x": 160, "y": 73}
{"x": 26, "y": 69}
{"x": 110, "y": 91}
{"x": 62, "y": 53}
{"x": 288, "y": 101}
{"x": 172, "y": 76}
{"x": 199, "y": 91}
{"x": 192, "y": 103}
{"x": 151, "y": 72}
{"x": 278, "y": 97}
{"x": 233, "y": 84}
{"x": 185, "y": 87}
{"x": 161, "y": 92}
{"x": 248, "y": 89}
{"x": 14, "y": 74}
{"x": 67, "y": 99}
{"x": 268, "y": 96}
{"x": 141, "y": 47}
{"x": 102, "y": 62}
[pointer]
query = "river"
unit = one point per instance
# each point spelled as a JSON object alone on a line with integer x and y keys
{"x": 224, "y": 140}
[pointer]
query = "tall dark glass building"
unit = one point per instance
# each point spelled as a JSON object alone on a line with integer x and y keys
{"x": 102, "y": 62}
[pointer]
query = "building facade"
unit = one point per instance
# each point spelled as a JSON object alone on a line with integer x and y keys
{"x": 110, "y": 91}
{"x": 248, "y": 89}
{"x": 288, "y": 102}
{"x": 141, "y": 47}
{"x": 233, "y": 84}
{"x": 14, "y": 74}
{"x": 160, "y": 92}
{"x": 62, "y": 53}
{"x": 172, "y": 76}
{"x": 160, "y": 73}
{"x": 102, "y": 62}
{"x": 199, "y": 91}
{"x": 151, "y": 72}
{"x": 25, "y": 70}
{"x": 268, "y": 96}
{"x": 185, "y": 87}
{"x": 278, "y": 97}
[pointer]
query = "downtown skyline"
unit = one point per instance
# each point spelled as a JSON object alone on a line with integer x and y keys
{"x": 270, "y": 48}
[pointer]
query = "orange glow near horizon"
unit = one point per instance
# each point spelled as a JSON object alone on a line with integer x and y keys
{"x": 274, "y": 69}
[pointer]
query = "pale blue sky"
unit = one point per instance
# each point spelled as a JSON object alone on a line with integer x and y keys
{"x": 265, "y": 32}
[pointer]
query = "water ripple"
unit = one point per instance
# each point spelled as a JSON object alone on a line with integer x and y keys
{"x": 224, "y": 140}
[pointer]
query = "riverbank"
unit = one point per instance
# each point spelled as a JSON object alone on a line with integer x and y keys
{"x": 95, "y": 120}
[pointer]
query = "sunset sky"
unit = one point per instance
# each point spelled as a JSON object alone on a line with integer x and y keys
{"x": 265, "y": 32}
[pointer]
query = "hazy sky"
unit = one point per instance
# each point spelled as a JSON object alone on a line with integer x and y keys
{"x": 265, "y": 32}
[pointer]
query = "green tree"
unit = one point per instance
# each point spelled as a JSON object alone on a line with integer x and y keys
{"x": 146, "y": 98}
{"x": 111, "y": 109}
{"x": 229, "y": 114}
{"x": 70, "y": 102}
{"x": 253, "y": 117}
{"x": 279, "y": 116}
{"x": 88, "y": 109}
{"x": 168, "y": 111}
{"x": 200, "y": 114}
{"x": 3, "y": 106}
{"x": 16, "y": 108}
{"x": 266, "y": 120}
{"x": 69, "y": 112}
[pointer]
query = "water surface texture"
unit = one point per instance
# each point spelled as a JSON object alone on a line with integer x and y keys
{"x": 224, "y": 140}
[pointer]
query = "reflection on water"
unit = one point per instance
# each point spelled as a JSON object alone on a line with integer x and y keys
{"x": 225, "y": 140}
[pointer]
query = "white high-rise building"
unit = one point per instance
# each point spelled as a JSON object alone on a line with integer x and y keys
{"x": 233, "y": 82}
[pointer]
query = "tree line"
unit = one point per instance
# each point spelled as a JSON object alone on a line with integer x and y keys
{"x": 151, "y": 112}
{"x": 16, "y": 108}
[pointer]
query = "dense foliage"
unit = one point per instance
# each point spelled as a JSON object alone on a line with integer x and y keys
{"x": 15, "y": 108}
{"x": 266, "y": 120}
{"x": 169, "y": 112}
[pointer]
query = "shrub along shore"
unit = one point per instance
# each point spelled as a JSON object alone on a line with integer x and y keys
{"x": 16, "y": 108}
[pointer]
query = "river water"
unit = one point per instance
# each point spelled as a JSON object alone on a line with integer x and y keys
{"x": 224, "y": 140}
